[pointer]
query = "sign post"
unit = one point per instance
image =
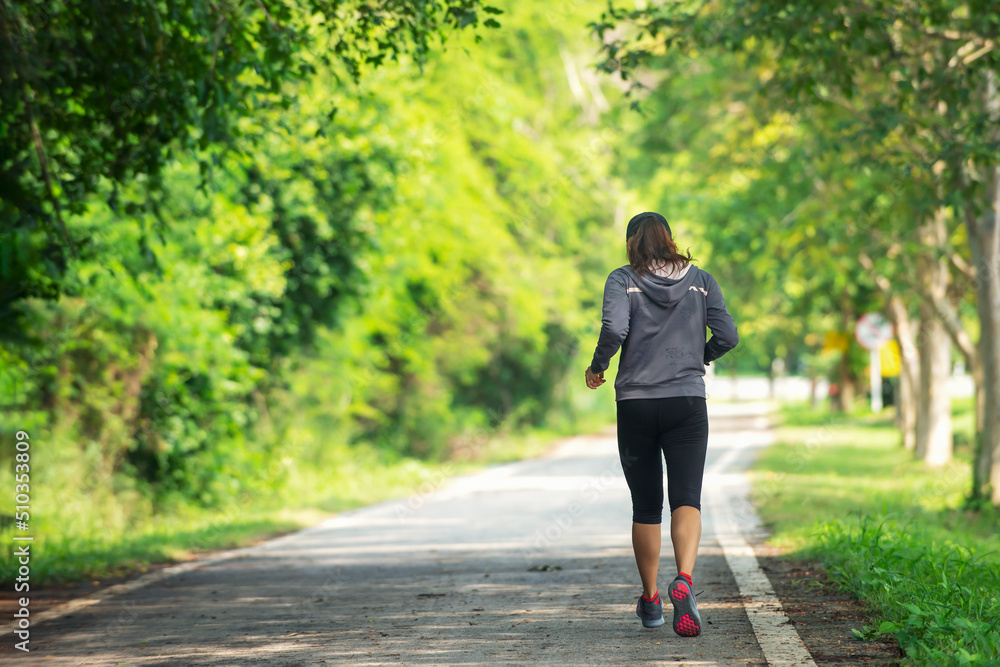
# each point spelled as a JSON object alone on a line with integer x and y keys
{"x": 872, "y": 331}
{"x": 875, "y": 363}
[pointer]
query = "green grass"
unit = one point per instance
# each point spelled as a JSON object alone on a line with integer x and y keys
{"x": 840, "y": 489}
{"x": 93, "y": 554}
{"x": 95, "y": 535}
{"x": 100, "y": 533}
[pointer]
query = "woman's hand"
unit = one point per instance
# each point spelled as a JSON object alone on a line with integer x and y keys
{"x": 594, "y": 380}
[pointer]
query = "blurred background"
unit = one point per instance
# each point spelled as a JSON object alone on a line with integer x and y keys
{"x": 266, "y": 260}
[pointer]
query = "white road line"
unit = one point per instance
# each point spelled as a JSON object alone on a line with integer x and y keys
{"x": 777, "y": 638}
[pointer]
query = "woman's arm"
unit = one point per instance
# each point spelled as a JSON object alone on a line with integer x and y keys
{"x": 614, "y": 322}
{"x": 724, "y": 334}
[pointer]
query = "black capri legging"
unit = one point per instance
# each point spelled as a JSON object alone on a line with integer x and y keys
{"x": 677, "y": 426}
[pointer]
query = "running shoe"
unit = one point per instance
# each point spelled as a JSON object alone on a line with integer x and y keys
{"x": 650, "y": 611}
{"x": 687, "y": 621}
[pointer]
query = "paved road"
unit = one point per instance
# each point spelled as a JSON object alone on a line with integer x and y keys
{"x": 796, "y": 388}
{"x": 527, "y": 563}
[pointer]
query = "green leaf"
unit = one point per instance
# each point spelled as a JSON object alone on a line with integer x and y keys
{"x": 887, "y": 627}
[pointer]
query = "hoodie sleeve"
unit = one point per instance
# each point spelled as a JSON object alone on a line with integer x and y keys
{"x": 614, "y": 322}
{"x": 724, "y": 334}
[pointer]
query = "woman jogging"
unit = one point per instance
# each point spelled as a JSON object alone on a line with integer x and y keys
{"x": 656, "y": 309}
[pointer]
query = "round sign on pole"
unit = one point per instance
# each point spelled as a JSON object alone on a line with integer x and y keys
{"x": 872, "y": 331}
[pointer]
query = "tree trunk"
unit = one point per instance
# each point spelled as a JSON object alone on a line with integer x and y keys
{"x": 813, "y": 382}
{"x": 845, "y": 385}
{"x": 909, "y": 373}
{"x": 934, "y": 441}
{"x": 933, "y": 425}
{"x": 907, "y": 398}
{"x": 984, "y": 237}
{"x": 979, "y": 406}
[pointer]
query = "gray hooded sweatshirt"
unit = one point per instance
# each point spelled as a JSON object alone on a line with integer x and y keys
{"x": 659, "y": 323}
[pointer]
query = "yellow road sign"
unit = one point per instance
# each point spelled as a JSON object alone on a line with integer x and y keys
{"x": 836, "y": 340}
{"x": 890, "y": 359}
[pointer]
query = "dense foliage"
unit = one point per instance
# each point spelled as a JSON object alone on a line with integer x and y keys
{"x": 112, "y": 92}
{"x": 412, "y": 272}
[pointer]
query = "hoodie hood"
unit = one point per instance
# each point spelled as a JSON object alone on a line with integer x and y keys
{"x": 664, "y": 291}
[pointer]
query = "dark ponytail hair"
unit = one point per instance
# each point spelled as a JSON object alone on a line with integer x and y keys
{"x": 652, "y": 247}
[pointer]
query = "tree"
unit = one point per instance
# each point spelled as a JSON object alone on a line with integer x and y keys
{"x": 114, "y": 90}
{"x": 918, "y": 78}
{"x": 412, "y": 273}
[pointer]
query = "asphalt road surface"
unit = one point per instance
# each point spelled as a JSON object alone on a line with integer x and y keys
{"x": 522, "y": 564}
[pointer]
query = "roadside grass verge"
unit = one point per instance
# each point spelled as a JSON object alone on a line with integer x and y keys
{"x": 840, "y": 489}
{"x": 108, "y": 533}
{"x": 105, "y": 533}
